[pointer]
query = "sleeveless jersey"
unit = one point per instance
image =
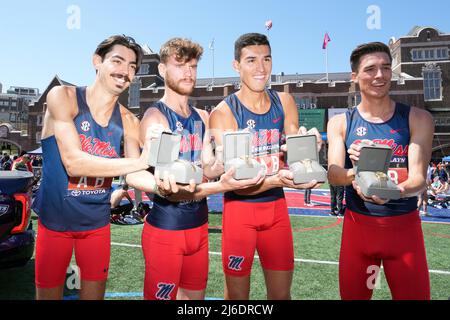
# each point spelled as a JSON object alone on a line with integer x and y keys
{"x": 266, "y": 131}
{"x": 394, "y": 133}
{"x": 66, "y": 203}
{"x": 189, "y": 214}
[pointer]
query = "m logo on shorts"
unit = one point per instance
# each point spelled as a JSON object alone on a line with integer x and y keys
{"x": 164, "y": 291}
{"x": 235, "y": 263}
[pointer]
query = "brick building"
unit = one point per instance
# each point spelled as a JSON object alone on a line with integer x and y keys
{"x": 424, "y": 53}
{"x": 421, "y": 77}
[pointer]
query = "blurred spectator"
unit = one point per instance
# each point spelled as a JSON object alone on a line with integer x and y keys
{"x": 439, "y": 194}
{"x": 6, "y": 162}
{"x": 422, "y": 199}
{"x": 116, "y": 197}
{"x": 337, "y": 197}
{"x": 442, "y": 173}
{"x": 307, "y": 198}
{"x": 23, "y": 164}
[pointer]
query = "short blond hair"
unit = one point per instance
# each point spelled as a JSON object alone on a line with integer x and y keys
{"x": 184, "y": 50}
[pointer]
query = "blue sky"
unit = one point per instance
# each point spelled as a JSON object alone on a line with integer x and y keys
{"x": 36, "y": 42}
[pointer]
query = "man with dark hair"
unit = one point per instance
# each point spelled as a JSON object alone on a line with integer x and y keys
{"x": 366, "y": 48}
{"x": 175, "y": 235}
{"x": 380, "y": 230}
{"x": 249, "y": 39}
{"x": 81, "y": 141}
{"x": 257, "y": 218}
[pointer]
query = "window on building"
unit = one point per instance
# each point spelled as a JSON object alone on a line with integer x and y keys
{"x": 143, "y": 69}
{"x": 432, "y": 82}
{"x": 305, "y": 103}
{"x": 429, "y": 54}
{"x": 356, "y": 100}
{"x": 134, "y": 98}
{"x": 442, "y": 121}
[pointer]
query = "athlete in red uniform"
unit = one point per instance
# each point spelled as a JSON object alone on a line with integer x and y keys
{"x": 81, "y": 136}
{"x": 377, "y": 230}
{"x": 257, "y": 218}
{"x": 175, "y": 235}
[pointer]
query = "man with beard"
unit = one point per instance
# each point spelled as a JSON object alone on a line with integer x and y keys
{"x": 81, "y": 142}
{"x": 175, "y": 235}
{"x": 378, "y": 230}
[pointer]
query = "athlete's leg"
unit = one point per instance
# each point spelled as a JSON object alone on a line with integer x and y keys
{"x": 237, "y": 288}
{"x": 357, "y": 268}
{"x": 185, "y": 294}
{"x": 92, "y": 252}
{"x": 238, "y": 247}
{"x": 55, "y": 293}
{"x": 53, "y": 254}
{"x": 278, "y": 284}
{"x": 276, "y": 251}
{"x": 194, "y": 273}
{"x": 92, "y": 290}
{"x": 407, "y": 272}
{"x": 163, "y": 254}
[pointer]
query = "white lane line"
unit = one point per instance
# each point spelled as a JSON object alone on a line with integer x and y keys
{"x": 296, "y": 260}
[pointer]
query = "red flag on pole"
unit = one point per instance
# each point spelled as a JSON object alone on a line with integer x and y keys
{"x": 268, "y": 24}
{"x": 326, "y": 39}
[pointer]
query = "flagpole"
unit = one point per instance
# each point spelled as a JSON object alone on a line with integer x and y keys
{"x": 211, "y": 47}
{"x": 326, "y": 61}
{"x": 213, "y": 65}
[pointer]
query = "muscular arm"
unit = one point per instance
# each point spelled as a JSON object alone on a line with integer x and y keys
{"x": 290, "y": 113}
{"x": 142, "y": 180}
{"x": 61, "y": 110}
{"x": 337, "y": 174}
{"x": 419, "y": 151}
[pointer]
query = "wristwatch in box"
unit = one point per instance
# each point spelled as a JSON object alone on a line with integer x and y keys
{"x": 164, "y": 152}
{"x": 303, "y": 159}
{"x": 237, "y": 153}
{"x": 371, "y": 172}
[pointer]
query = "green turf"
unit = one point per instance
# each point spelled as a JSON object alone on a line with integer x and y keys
{"x": 311, "y": 280}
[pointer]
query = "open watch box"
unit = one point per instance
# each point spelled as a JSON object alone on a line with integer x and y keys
{"x": 303, "y": 159}
{"x": 237, "y": 153}
{"x": 371, "y": 172}
{"x": 164, "y": 152}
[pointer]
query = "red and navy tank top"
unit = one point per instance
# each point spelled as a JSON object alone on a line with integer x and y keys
{"x": 188, "y": 214}
{"x": 267, "y": 130}
{"x": 66, "y": 203}
{"x": 394, "y": 133}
